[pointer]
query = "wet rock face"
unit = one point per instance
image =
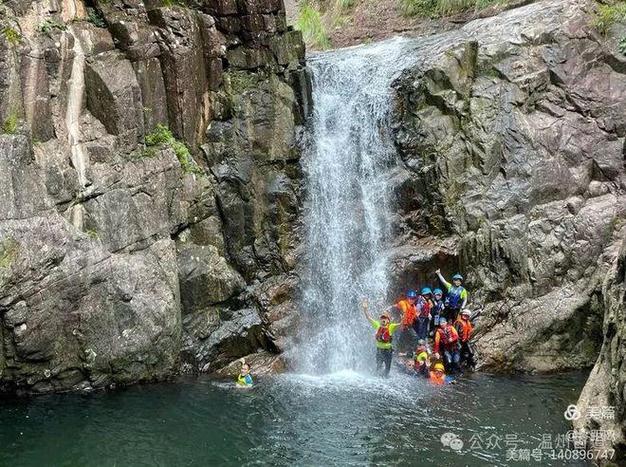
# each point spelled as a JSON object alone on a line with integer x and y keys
{"x": 151, "y": 187}
{"x": 605, "y": 387}
{"x": 511, "y": 133}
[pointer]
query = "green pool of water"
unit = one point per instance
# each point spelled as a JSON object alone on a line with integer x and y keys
{"x": 340, "y": 419}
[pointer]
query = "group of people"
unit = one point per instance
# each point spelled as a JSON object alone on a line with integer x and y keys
{"x": 429, "y": 314}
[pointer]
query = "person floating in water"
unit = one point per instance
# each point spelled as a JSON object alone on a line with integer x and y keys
{"x": 456, "y": 299}
{"x": 384, "y": 336}
{"x": 245, "y": 378}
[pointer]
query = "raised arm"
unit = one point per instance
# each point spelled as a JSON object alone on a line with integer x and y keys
{"x": 442, "y": 279}
{"x": 365, "y": 307}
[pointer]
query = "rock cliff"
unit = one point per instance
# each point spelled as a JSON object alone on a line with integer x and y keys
{"x": 511, "y": 133}
{"x": 150, "y": 187}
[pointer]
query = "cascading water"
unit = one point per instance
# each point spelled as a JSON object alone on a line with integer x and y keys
{"x": 347, "y": 163}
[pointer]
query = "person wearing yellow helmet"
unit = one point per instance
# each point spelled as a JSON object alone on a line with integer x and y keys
{"x": 438, "y": 374}
{"x": 384, "y": 337}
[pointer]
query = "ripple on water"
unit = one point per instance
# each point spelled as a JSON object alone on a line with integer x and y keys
{"x": 345, "y": 418}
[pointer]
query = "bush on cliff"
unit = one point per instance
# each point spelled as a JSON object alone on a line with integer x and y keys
{"x": 160, "y": 137}
{"x": 610, "y": 14}
{"x": 309, "y": 22}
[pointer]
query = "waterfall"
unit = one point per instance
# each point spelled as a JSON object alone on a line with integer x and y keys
{"x": 348, "y": 202}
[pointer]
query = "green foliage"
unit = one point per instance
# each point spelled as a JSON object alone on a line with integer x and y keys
{"x": 9, "y": 249}
{"x": 9, "y": 127}
{"x": 159, "y": 136}
{"x": 610, "y": 14}
{"x": 309, "y": 22}
{"x": 92, "y": 233}
{"x": 622, "y": 46}
{"x": 436, "y": 8}
{"x": 162, "y": 136}
{"x": 50, "y": 25}
{"x": 12, "y": 36}
{"x": 96, "y": 18}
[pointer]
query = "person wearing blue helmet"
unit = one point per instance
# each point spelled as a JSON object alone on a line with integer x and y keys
{"x": 456, "y": 299}
{"x": 407, "y": 307}
{"x": 436, "y": 310}
{"x": 424, "y": 305}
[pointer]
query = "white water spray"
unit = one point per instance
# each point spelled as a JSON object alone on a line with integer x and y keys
{"x": 348, "y": 203}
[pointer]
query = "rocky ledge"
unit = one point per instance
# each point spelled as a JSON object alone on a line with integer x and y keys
{"x": 511, "y": 133}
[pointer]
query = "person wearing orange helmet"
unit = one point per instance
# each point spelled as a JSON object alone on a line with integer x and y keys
{"x": 385, "y": 330}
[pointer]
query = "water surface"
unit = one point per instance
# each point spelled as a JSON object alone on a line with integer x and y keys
{"x": 340, "y": 419}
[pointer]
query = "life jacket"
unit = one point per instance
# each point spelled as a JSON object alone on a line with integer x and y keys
{"x": 244, "y": 380}
{"x": 409, "y": 312}
{"x": 448, "y": 335}
{"x": 464, "y": 328}
{"x": 437, "y": 378}
{"x": 383, "y": 335}
{"x": 424, "y": 307}
{"x": 453, "y": 299}
{"x": 421, "y": 357}
{"x": 437, "y": 308}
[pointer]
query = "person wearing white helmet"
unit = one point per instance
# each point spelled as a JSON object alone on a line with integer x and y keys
{"x": 465, "y": 329}
{"x": 447, "y": 344}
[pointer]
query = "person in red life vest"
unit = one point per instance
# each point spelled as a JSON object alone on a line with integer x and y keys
{"x": 384, "y": 337}
{"x": 407, "y": 307}
{"x": 456, "y": 296}
{"x": 447, "y": 344}
{"x": 465, "y": 328}
{"x": 424, "y": 305}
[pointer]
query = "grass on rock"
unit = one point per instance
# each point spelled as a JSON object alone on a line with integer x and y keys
{"x": 162, "y": 137}
{"x": 309, "y": 22}
{"x": 610, "y": 14}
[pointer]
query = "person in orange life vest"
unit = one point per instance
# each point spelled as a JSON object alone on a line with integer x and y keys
{"x": 456, "y": 297}
{"x": 408, "y": 311}
{"x": 384, "y": 336}
{"x": 407, "y": 308}
{"x": 423, "y": 305}
{"x": 465, "y": 328}
{"x": 437, "y": 374}
{"x": 447, "y": 343}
